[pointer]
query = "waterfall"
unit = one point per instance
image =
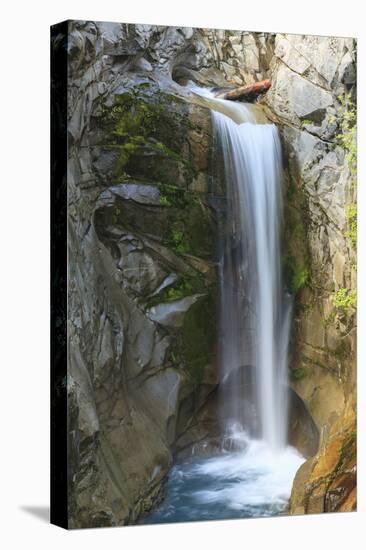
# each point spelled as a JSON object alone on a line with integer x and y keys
{"x": 252, "y": 474}
{"x": 255, "y": 312}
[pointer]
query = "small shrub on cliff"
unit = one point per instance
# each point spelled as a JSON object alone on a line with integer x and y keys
{"x": 344, "y": 299}
{"x": 352, "y": 223}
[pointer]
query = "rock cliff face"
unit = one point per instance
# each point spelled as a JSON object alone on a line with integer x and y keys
{"x": 311, "y": 76}
{"x": 142, "y": 280}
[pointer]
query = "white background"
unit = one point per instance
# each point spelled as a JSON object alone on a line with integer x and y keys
{"x": 24, "y": 257}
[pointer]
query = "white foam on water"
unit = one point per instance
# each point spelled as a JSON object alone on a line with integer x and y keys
{"x": 259, "y": 476}
{"x": 255, "y": 482}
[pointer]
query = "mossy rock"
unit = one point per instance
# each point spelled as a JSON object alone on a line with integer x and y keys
{"x": 197, "y": 339}
{"x": 191, "y": 228}
{"x": 296, "y": 257}
{"x": 148, "y": 130}
{"x": 296, "y": 274}
{"x": 184, "y": 286}
{"x": 297, "y": 374}
{"x": 187, "y": 227}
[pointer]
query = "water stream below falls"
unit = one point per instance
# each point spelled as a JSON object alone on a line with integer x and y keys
{"x": 254, "y": 478}
{"x": 253, "y": 482}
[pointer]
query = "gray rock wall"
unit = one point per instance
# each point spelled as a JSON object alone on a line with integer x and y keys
{"x": 311, "y": 76}
{"x": 141, "y": 276}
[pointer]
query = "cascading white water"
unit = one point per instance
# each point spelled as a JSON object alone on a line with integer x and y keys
{"x": 255, "y": 312}
{"x": 253, "y": 473}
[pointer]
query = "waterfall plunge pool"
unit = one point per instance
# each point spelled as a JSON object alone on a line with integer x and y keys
{"x": 254, "y": 482}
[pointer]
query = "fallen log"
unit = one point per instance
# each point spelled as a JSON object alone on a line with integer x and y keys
{"x": 249, "y": 92}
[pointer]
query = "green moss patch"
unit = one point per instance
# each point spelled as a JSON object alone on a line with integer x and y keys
{"x": 196, "y": 343}
{"x": 296, "y": 258}
{"x": 147, "y": 131}
{"x": 297, "y": 374}
{"x": 182, "y": 287}
{"x": 296, "y": 274}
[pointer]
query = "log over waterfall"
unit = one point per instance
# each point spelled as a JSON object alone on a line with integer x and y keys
{"x": 249, "y": 92}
